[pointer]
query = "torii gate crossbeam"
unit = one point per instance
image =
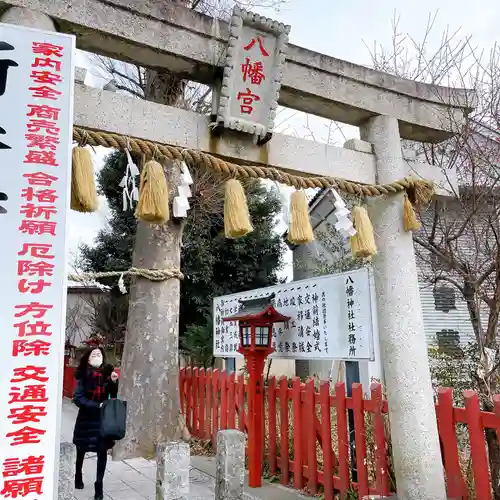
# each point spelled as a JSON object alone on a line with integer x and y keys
{"x": 165, "y": 35}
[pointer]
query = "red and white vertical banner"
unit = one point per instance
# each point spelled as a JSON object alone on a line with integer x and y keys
{"x": 36, "y": 116}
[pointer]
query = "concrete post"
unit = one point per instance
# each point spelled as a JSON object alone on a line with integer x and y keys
{"x": 415, "y": 442}
{"x": 172, "y": 471}
{"x": 230, "y": 471}
{"x": 67, "y": 465}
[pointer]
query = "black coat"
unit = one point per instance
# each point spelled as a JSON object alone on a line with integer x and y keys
{"x": 90, "y": 392}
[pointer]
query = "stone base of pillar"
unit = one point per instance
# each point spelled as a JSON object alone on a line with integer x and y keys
{"x": 67, "y": 466}
{"x": 172, "y": 471}
{"x": 230, "y": 472}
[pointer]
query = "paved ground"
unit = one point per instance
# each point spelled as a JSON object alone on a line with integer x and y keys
{"x": 131, "y": 479}
{"x": 135, "y": 479}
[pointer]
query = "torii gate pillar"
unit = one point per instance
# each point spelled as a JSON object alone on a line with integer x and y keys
{"x": 415, "y": 441}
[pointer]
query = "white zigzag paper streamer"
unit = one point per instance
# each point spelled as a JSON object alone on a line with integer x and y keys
{"x": 181, "y": 201}
{"x": 343, "y": 224}
{"x": 130, "y": 192}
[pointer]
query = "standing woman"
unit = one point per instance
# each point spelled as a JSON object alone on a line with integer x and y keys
{"x": 96, "y": 383}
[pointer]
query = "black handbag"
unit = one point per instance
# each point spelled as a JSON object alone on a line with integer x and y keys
{"x": 113, "y": 419}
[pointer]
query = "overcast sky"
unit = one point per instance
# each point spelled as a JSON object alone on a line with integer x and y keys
{"x": 344, "y": 30}
{"x": 340, "y": 28}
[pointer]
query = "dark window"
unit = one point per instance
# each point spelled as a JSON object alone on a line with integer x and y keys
{"x": 262, "y": 335}
{"x": 444, "y": 298}
{"x": 246, "y": 336}
{"x": 302, "y": 368}
{"x": 449, "y": 342}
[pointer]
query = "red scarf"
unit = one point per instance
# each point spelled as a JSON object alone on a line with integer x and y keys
{"x": 95, "y": 381}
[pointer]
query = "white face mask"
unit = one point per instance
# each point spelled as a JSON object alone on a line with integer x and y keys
{"x": 95, "y": 358}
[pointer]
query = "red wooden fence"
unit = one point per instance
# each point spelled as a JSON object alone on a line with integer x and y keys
{"x": 308, "y": 436}
{"x": 69, "y": 381}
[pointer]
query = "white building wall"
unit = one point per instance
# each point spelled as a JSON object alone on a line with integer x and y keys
{"x": 435, "y": 321}
{"x": 457, "y": 319}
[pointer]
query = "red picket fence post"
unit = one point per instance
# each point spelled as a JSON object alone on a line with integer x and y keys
{"x": 196, "y": 404}
{"x": 208, "y": 388}
{"x": 189, "y": 381}
{"x": 305, "y": 457}
{"x": 284, "y": 426}
{"x": 448, "y": 437}
{"x": 231, "y": 403}
{"x": 215, "y": 406}
{"x": 182, "y": 391}
{"x": 326, "y": 432}
{"x": 380, "y": 452}
{"x": 223, "y": 400}
{"x": 477, "y": 446}
{"x": 496, "y": 403}
{"x": 360, "y": 439}
{"x": 271, "y": 405}
{"x": 342, "y": 436}
{"x": 310, "y": 432}
{"x": 241, "y": 402}
{"x": 298, "y": 429}
{"x": 202, "y": 399}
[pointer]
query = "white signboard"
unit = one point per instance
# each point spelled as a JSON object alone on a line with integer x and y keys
{"x": 252, "y": 73}
{"x": 332, "y": 317}
{"x": 36, "y": 116}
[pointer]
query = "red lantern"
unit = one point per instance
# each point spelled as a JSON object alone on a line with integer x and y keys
{"x": 94, "y": 341}
{"x": 256, "y": 319}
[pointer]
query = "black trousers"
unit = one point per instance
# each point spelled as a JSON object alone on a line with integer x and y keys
{"x": 102, "y": 459}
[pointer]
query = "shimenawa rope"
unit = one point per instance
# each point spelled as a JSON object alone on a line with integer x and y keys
{"x": 193, "y": 158}
{"x": 150, "y": 274}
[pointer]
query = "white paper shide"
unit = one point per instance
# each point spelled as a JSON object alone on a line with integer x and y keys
{"x": 36, "y": 115}
{"x": 181, "y": 201}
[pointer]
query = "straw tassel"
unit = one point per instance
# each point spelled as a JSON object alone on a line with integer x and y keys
{"x": 421, "y": 192}
{"x": 300, "y": 230}
{"x": 363, "y": 242}
{"x": 152, "y": 206}
{"x": 236, "y": 215}
{"x": 410, "y": 221}
{"x": 83, "y": 190}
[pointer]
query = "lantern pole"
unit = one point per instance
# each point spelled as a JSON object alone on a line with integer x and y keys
{"x": 255, "y": 363}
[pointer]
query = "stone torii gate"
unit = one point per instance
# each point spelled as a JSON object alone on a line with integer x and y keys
{"x": 386, "y": 108}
